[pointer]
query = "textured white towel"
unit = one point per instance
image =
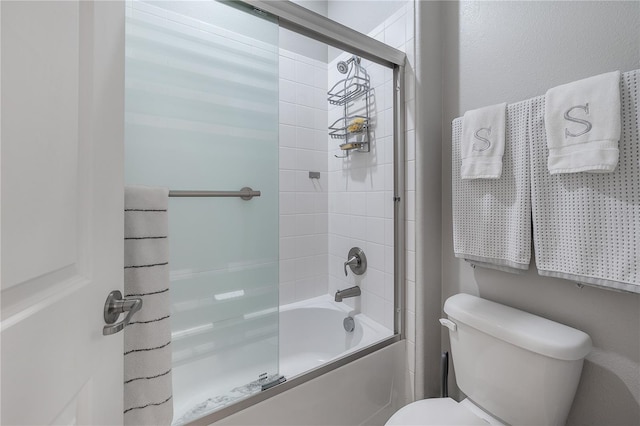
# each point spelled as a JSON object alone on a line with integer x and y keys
{"x": 492, "y": 217}
{"x": 147, "y": 338}
{"x": 587, "y": 225}
{"x": 582, "y": 121}
{"x": 482, "y": 143}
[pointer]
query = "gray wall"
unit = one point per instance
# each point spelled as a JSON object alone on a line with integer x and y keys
{"x": 428, "y": 151}
{"x": 509, "y": 51}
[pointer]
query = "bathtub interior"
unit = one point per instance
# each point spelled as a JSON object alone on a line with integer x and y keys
{"x": 203, "y": 386}
{"x": 311, "y": 335}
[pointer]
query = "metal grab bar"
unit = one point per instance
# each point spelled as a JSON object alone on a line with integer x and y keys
{"x": 245, "y": 193}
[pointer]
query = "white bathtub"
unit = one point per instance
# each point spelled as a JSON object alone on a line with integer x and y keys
{"x": 312, "y": 334}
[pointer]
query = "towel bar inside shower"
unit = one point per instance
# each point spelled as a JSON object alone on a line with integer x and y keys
{"x": 245, "y": 193}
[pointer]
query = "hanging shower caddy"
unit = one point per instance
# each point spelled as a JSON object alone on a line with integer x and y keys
{"x": 352, "y": 93}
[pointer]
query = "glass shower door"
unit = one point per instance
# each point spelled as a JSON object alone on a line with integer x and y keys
{"x": 202, "y": 114}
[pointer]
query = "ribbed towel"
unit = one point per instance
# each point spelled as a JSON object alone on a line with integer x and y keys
{"x": 582, "y": 121}
{"x": 147, "y": 338}
{"x": 492, "y": 218}
{"x": 482, "y": 143}
{"x": 586, "y": 225}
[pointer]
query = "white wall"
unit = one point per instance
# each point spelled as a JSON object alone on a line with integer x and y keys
{"x": 362, "y": 16}
{"x": 296, "y": 43}
{"x": 301, "y": 45}
{"x": 303, "y": 201}
{"x": 510, "y": 51}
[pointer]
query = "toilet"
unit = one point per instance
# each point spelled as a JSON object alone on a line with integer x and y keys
{"x": 514, "y": 367}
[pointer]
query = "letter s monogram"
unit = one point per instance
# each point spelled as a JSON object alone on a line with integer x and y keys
{"x": 484, "y": 143}
{"x": 585, "y": 123}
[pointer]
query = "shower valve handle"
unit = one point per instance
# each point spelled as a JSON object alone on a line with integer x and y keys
{"x": 355, "y": 261}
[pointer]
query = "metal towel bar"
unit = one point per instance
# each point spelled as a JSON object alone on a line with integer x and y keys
{"x": 245, "y": 193}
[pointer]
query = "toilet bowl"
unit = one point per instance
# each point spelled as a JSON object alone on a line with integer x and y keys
{"x": 515, "y": 367}
{"x": 443, "y": 412}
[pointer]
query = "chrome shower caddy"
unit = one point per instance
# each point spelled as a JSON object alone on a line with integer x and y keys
{"x": 352, "y": 93}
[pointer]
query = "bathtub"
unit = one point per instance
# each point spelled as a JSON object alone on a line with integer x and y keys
{"x": 311, "y": 333}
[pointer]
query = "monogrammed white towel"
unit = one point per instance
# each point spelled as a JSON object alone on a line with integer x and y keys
{"x": 492, "y": 217}
{"x": 582, "y": 122}
{"x": 482, "y": 143}
{"x": 586, "y": 226}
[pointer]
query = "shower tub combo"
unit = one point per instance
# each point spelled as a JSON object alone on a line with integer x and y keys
{"x": 313, "y": 332}
{"x": 203, "y": 116}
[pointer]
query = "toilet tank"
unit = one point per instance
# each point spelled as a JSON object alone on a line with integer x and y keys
{"x": 519, "y": 367}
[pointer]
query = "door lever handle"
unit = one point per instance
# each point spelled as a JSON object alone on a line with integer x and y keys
{"x": 116, "y": 305}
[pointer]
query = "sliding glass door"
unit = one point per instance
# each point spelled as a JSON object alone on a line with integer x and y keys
{"x": 202, "y": 114}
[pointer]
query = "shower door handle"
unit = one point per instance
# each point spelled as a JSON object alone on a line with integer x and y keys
{"x": 116, "y": 305}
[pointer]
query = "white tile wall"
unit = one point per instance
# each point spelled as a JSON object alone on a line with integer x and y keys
{"x": 361, "y": 196}
{"x": 303, "y": 201}
{"x": 361, "y": 203}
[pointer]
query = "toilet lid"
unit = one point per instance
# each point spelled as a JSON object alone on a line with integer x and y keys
{"x": 435, "y": 411}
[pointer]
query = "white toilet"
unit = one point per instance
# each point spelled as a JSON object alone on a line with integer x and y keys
{"x": 514, "y": 367}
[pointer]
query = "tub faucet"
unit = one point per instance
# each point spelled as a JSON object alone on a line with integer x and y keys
{"x": 346, "y": 293}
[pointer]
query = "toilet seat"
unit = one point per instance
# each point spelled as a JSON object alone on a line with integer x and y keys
{"x": 435, "y": 411}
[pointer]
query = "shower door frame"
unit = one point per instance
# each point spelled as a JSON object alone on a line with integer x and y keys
{"x": 310, "y": 24}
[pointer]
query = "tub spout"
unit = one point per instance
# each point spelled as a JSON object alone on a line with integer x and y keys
{"x": 346, "y": 293}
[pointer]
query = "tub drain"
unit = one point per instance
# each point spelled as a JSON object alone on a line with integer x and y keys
{"x": 349, "y": 324}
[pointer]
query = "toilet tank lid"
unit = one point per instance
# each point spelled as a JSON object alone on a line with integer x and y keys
{"x": 519, "y": 328}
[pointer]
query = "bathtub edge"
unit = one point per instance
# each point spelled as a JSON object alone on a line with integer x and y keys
{"x": 295, "y": 381}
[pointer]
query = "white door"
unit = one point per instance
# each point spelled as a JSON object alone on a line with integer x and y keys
{"x": 62, "y": 89}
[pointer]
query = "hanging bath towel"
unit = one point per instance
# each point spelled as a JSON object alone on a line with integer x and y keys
{"x": 492, "y": 217}
{"x": 147, "y": 338}
{"x": 586, "y": 225}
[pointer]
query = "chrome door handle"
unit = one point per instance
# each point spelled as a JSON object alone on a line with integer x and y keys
{"x": 116, "y": 305}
